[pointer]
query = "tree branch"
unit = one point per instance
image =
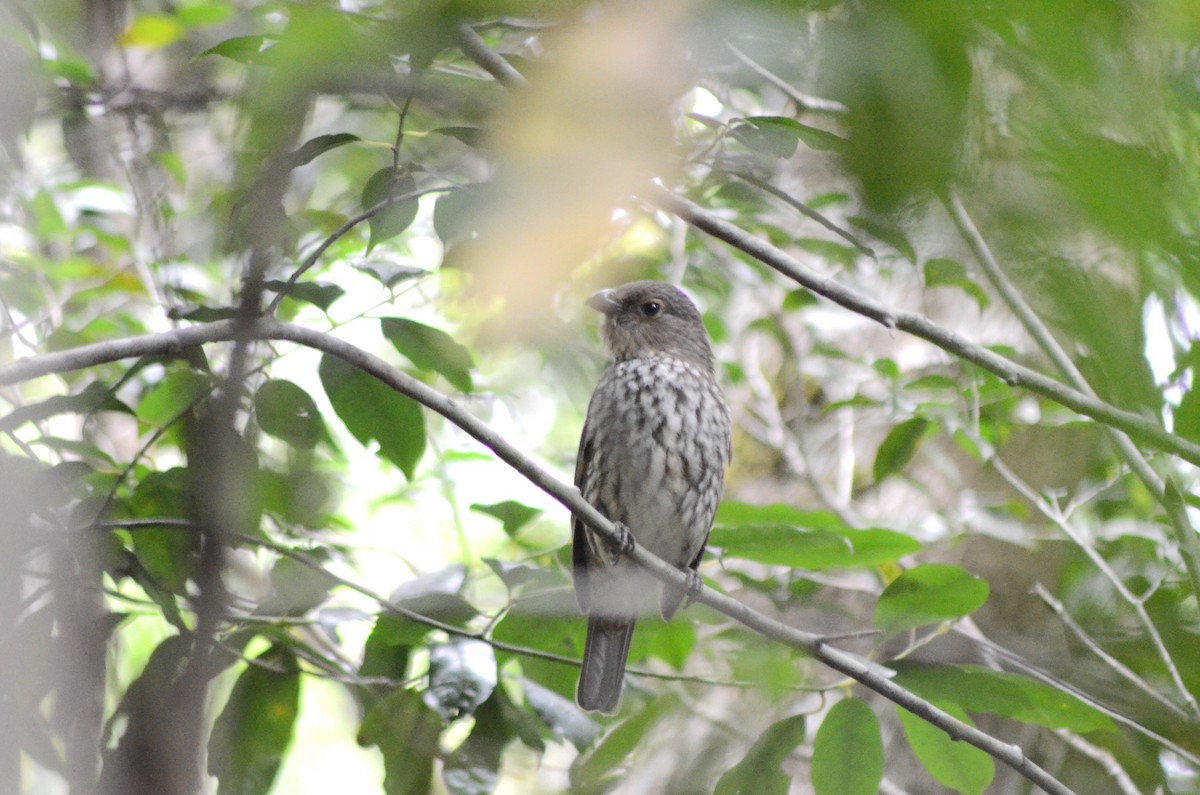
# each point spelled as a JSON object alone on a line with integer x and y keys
{"x": 817, "y": 646}
{"x": 919, "y": 326}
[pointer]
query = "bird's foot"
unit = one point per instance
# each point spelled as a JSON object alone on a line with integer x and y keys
{"x": 624, "y": 543}
{"x": 694, "y": 585}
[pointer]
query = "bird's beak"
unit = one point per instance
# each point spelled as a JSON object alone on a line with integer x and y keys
{"x": 602, "y": 301}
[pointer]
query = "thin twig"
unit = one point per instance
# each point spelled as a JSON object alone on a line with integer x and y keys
{"x": 1112, "y": 662}
{"x": 802, "y": 101}
{"x": 806, "y": 211}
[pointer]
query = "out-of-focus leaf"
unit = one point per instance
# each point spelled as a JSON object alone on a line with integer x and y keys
{"x": 391, "y": 221}
{"x": 456, "y": 216}
{"x": 318, "y": 294}
{"x": 942, "y": 272}
{"x": 560, "y": 714}
{"x": 758, "y": 773}
{"x": 1187, "y": 415}
{"x": 899, "y": 446}
{"x": 430, "y": 349}
{"x": 152, "y": 32}
{"x": 295, "y": 587}
{"x": 670, "y": 641}
{"x": 170, "y": 397}
{"x": 243, "y": 49}
{"x": 202, "y": 15}
{"x": 779, "y": 136}
{"x": 956, "y": 765}
{"x": 892, "y": 235}
{"x": 169, "y": 554}
{"x": 287, "y": 412}
{"x": 254, "y": 730}
{"x": 471, "y": 136}
{"x": 474, "y": 767}
{"x": 848, "y": 751}
{"x": 315, "y": 147}
{"x": 372, "y": 412}
{"x": 92, "y": 398}
{"x": 604, "y": 761}
{"x": 462, "y": 675}
{"x": 512, "y": 514}
{"x": 390, "y": 274}
{"x": 406, "y": 732}
{"x": 979, "y": 690}
{"x": 928, "y": 594}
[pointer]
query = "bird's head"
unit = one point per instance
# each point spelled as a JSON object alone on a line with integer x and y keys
{"x": 645, "y": 318}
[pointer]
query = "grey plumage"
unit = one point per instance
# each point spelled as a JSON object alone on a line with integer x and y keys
{"x": 652, "y": 457}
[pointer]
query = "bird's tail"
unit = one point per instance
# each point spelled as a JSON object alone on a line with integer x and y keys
{"x": 604, "y": 656}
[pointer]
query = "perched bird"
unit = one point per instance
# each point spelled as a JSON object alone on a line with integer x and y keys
{"x": 652, "y": 459}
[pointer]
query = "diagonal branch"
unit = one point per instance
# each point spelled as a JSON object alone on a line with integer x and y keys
{"x": 1012, "y": 373}
{"x": 817, "y": 646}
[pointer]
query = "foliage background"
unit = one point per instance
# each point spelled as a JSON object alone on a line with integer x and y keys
{"x": 247, "y": 565}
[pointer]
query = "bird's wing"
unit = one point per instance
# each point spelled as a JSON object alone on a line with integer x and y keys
{"x": 579, "y": 542}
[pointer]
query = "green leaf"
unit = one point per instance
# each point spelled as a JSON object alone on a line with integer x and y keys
{"x": 253, "y": 731}
{"x": 287, "y": 412}
{"x": 813, "y": 550}
{"x": 96, "y": 396}
{"x": 315, "y": 147}
{"x": 759, "y": 770}
{"x": 512, "y": 514}
{"x": 406, "y": 732}
{"x": 604, "y": 762}
{"x": 318, "y": 294}
{"x": 202, "y": 15}
{"x": 1187, "y": 415}
{"x": 940, "y": 272}
{"x": 979, "y": 690}
{"x": 243, "y": 49}
{"x": 474, "y": 767}
{"x": 928, "y": 594}
{"x": 390, "y": 274}
{"x": 887, "y": 233}
{"x": 956, "y": 765}
{"x": 779, "y": 136}
{"x": 899, "y": 446}
{"x": 170, "y": 397}
{"x": 373, "y": 412}
{"x": 430, "y": 349}
{"x": 738, "y": 514}
{"x": 848, "y": 751}
{"x": 471, "y": 136}
{"x": 391, "y": 221}
{"x": 152, "y": 32}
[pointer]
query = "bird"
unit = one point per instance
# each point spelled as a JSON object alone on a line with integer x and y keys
{"x": 656, "y": 441}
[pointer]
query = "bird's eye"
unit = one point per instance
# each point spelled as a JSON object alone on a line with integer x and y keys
{"x": 651, "y": 308}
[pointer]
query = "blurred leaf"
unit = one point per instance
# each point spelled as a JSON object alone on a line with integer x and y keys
{"x": 456, "y": 216}
{"x": 940, "y": 272}
{"x": 315, "y": 147}
{"x": 167, "y": 400}
{"x": 406, "y": 732}
{"x": 152, "y": 32}
{"x": 389, "y": 274}
{"x": 430, "y": 349}
{"x": 462, "y": 675}
{"x": 373, "y": 412}
{"x": 254, "y": 730}
{"x": 956, "y": 765}
{"x": 596, "y": 769}
{"x": 474, "y": 767}
{"x": 670, "y": 641}
{"x": 512, "y": 514}
{"x": 979, "y": 690}
{"x": 243, "y": 49}
{"x": 892, "y": 235}
{"x": 1187, "y": 414}
{"x": 779, "y": 136}
{"x": 296, "y": 588}
{"x": 202, "y": 15}
{"x": 387, "y": 223}
{"x": 94, "y": 397}
{"x": 759, "y": 773}
{"x": 318, "y": 294}
{"x": 848, "y": 751}
{"x": 899, "y": 446}
{"x": 928, "y": 594}
{"x": 471, "y": 136}
{"x": 287, "y": 412}
{"x": 561, "y": 715}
